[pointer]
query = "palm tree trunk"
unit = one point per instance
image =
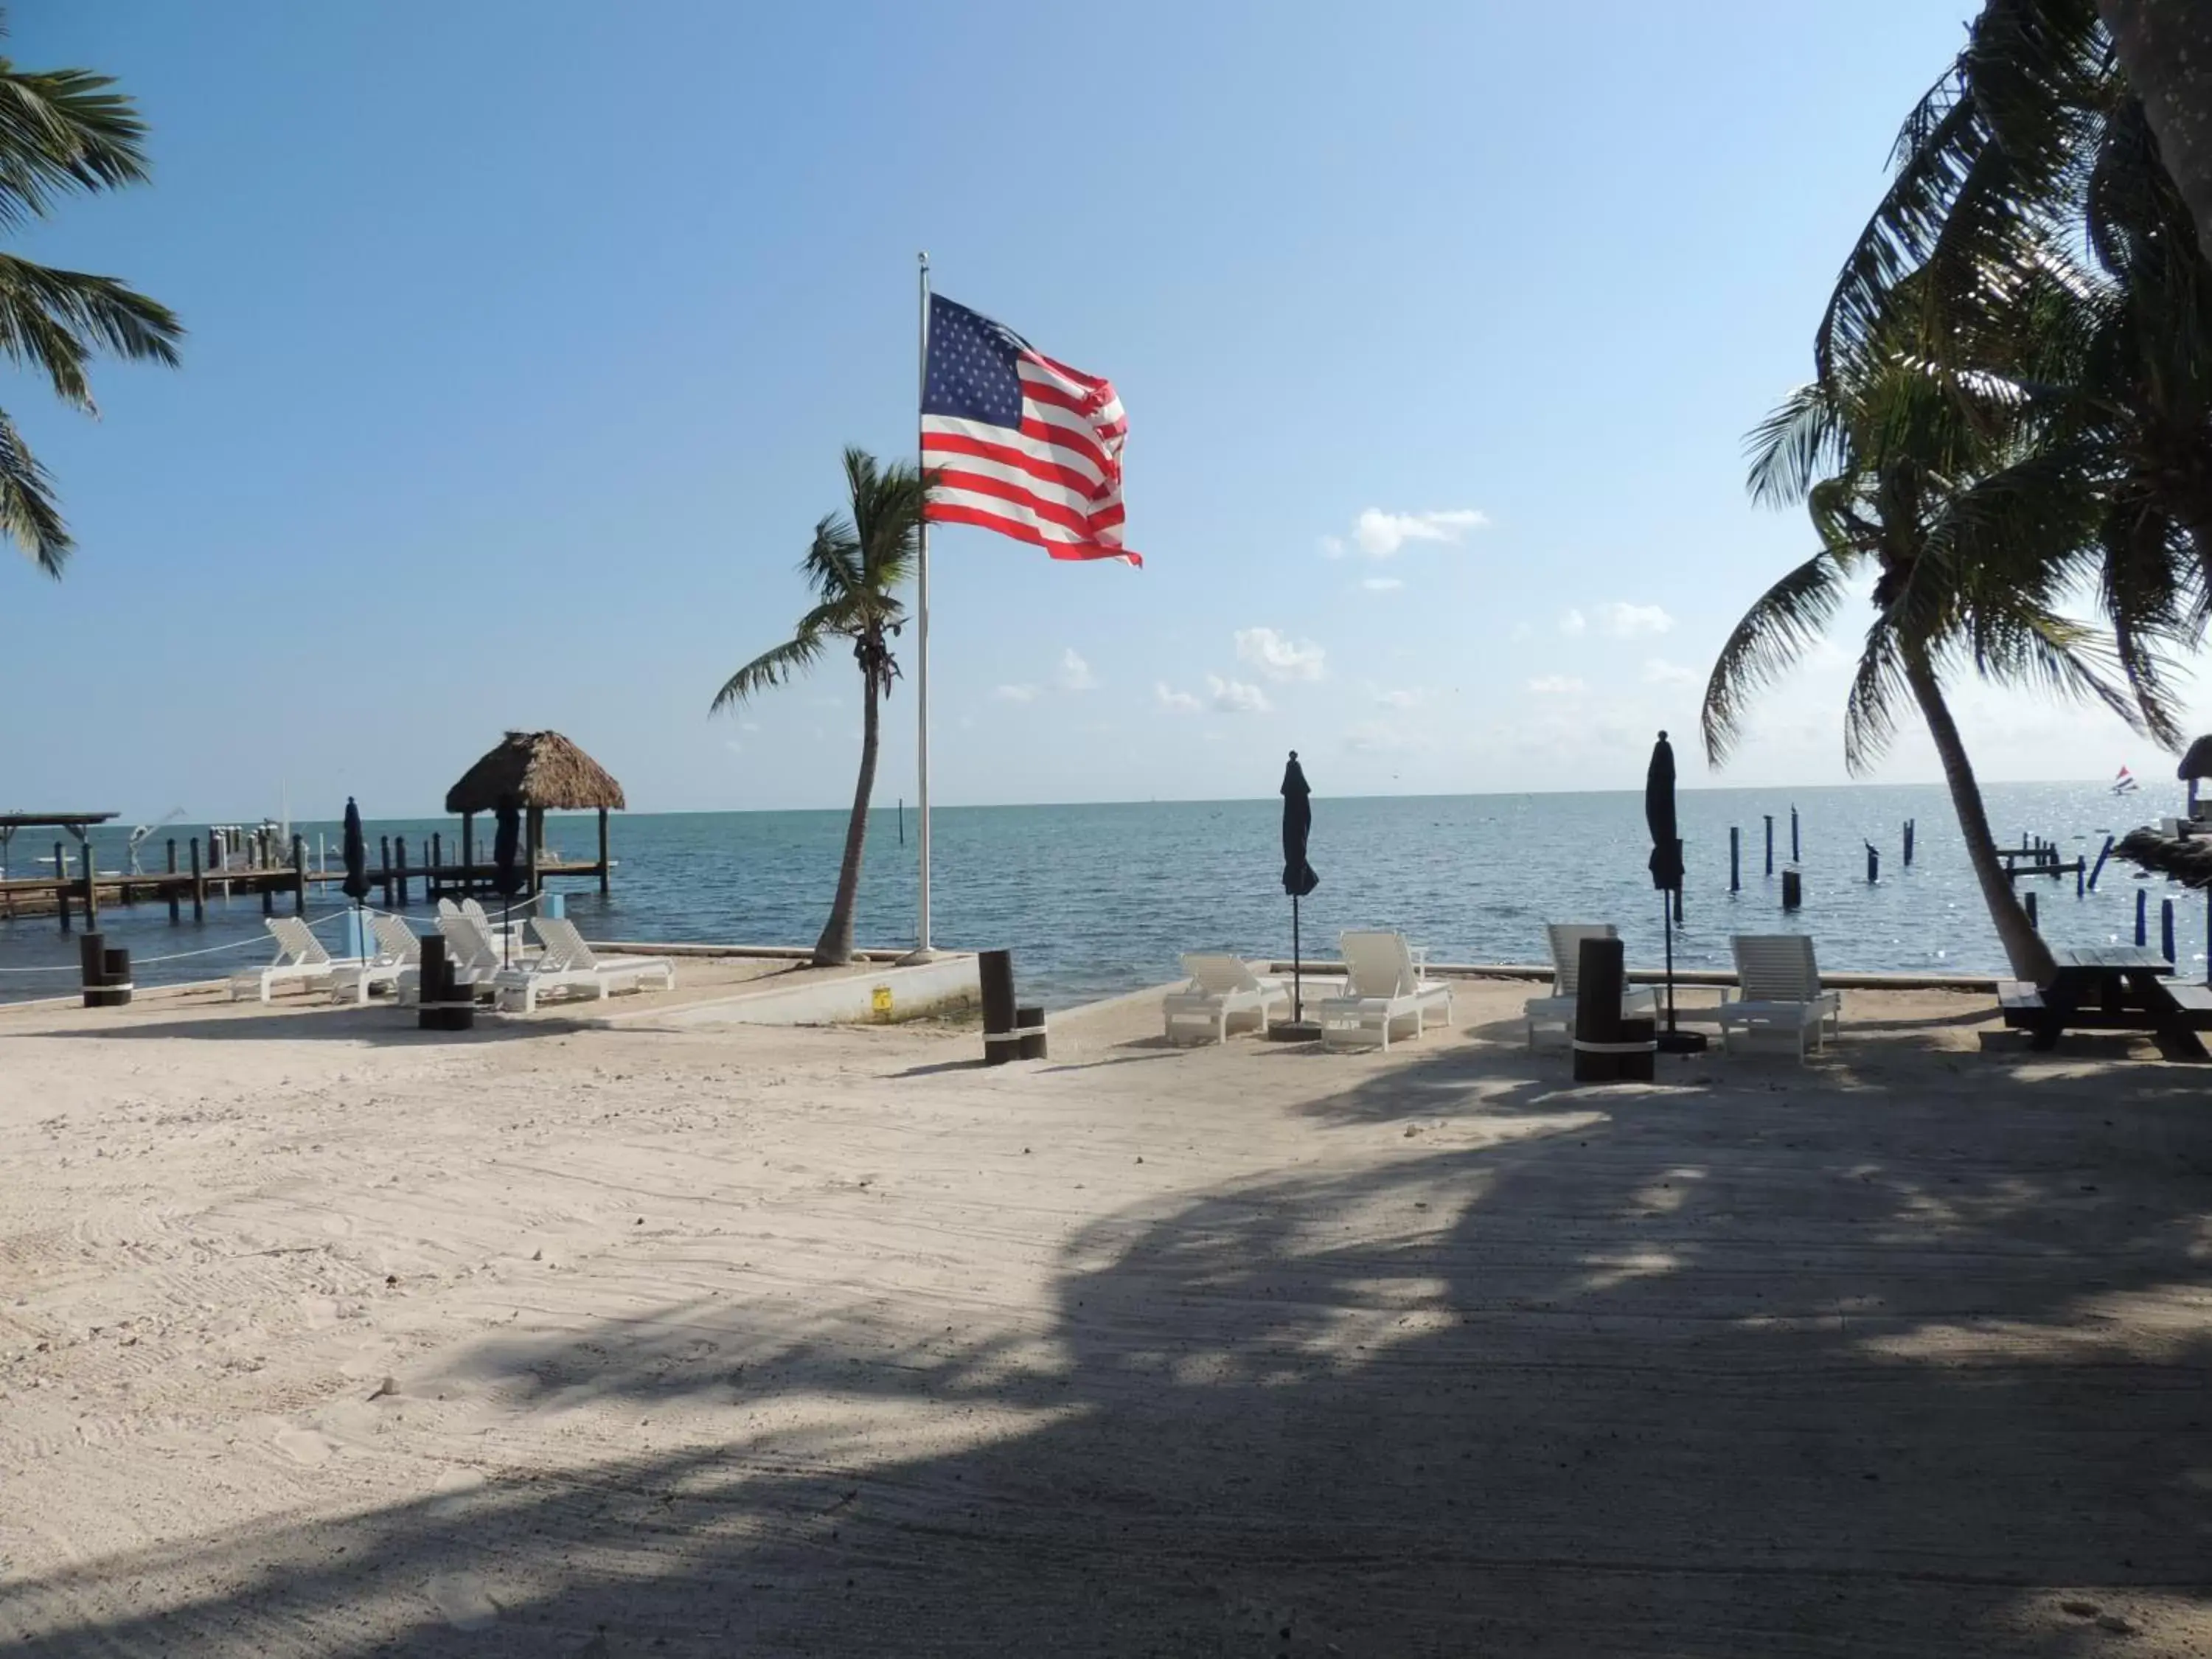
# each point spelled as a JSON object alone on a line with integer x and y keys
{"x": 2165, "y": 48}
{"x": 2023, "y": 946}
{"x": 835, "y": 948}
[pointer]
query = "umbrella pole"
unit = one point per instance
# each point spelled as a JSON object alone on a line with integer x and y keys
{"x": 1297, "y": 984}
{"x": 1667, "y": 919}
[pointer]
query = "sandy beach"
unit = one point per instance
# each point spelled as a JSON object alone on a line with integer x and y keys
{"x": 318, "y": 1335}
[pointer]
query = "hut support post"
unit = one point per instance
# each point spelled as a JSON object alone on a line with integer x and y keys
{"x": 533, "y": 840}
{"x": 468, "y": 851}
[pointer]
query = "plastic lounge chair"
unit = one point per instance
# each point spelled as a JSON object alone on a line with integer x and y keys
{"x": 475, "y": 960}
{"x": 1778, "y": 990}
{"x": 301, "y": 960}
{"x": 397, "y": 948}
{"x": 1556, "y": 1012}
{"x": 567, "y": 964}
{"x": 1223, "y": 990}
{"x": 1383, "y": 988}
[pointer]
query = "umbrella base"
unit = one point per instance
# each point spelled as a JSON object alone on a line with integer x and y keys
{"x": 1681, "y": 1042}
{"x": 1294, "y": 1030}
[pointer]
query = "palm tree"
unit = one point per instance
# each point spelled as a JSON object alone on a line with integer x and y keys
{"x": 855, "y": 567}
{"x": 1976, "y": 532}
{"x": 2165, "y": 47}
{"x": 62, "y": 133}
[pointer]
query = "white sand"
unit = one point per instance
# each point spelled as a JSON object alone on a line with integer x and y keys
{"x": 317, "y": 1336}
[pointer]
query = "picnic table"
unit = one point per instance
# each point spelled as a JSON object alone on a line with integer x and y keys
{"x": 2111, "y": 988}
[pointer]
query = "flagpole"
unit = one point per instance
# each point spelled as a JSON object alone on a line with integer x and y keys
{"x": 922, "y": 950}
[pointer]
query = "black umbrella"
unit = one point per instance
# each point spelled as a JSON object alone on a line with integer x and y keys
{"x": 355, "y": 884}
{"x": 1298, "y": 877}
{"x": 506, "y": 868}
{"x": 1666, "y": 865}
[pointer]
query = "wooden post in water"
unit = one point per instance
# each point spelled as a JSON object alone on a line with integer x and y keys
{"x": 61, "y": 886}
{"x": 1770, "y": 845}
{"x": 468, "y": 851}
{"x": 2028, "y": 900}
{"x": 604, "y": 884}
{"x": 437, "y": 863}
{"x": 385, "y": 876}
{"x": 2142, "y": 917}
{"x": 2103, "y": 853}
{"x": 399, "y": 851}
{"x": 1736, "y": 860}
{"x": 91, "y": 886}
{"x": 1793, "y": 889}
{"x": 299, "y": 875}
{"x": 1908, "y": 843}
{"x": 175, "y": 899}
{"x": 1873, "y": 864}
{"x": 2166, "y": 928}
{"x": 1796, "y": 857}
{"x": 533, "y": 842}
{"x": 199, "y": 885}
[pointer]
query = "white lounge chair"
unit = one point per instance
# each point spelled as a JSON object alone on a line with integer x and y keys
{"x": 1382, "y": 989}
{"x": 1778, "y": 990}
{"x": 476, "y": 960}
{"x": 1556, "y": 1011}
{"x": 567, "y": 964}
{"x": 397, "y": 948}
{"x": 301, "y": 960}
{"x": 1223, "y": 990}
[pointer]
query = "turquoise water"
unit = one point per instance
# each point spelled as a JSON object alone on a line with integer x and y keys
{"x": 1098, "y": 899}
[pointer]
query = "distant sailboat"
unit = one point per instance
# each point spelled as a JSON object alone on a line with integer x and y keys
{"x": 2125, "y": 783}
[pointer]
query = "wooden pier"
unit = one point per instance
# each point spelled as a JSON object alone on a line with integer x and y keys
{"x": 396, "y": 886}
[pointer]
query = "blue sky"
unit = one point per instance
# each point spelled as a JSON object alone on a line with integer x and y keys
{"x": 524, "y": 337}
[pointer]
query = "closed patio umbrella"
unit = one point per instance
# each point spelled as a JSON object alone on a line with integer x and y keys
{"x": 506, "y": 870}
{"x": 1666, "y": 865}
{"x": 355, "y": 884}
{"x": 1298, "y": 877}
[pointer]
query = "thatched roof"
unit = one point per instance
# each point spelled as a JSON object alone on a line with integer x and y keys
{"x": 538, "y": 768}
{"x": 2198, "y": 763}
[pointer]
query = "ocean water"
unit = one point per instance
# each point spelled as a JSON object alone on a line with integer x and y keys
{"x": 1097, "y": 899}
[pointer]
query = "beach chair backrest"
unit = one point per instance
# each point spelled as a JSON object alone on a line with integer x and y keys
{"x": 1217, "y": 972}
{"x": 564, "y": 945}
{"x": 474, "y": 910}
{"x": 295, "y": 941}
{"x": 1776, "y": 968}
{"x": 1567, "y": 938}
{"x": 469, "y": 945}
{"x": 447, "y": 908}
{"x": 396, "y": 939}
{"x": 1378, "y": 964}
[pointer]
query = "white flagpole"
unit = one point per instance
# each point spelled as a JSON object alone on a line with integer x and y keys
{"x": 921, "y": 616}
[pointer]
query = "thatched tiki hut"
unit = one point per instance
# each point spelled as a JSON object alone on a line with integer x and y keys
{"x": 538, "y": 770}
{"x": 2196, "y": 766}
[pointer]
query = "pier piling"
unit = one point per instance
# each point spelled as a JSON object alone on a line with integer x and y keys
{"x": 91, "y": 886}
{"x": 1793, "y": 889}
{"x": 199, "y": 885}
{"x": 176, "y": 898}
{"x": 299, "y": 875}
{"x": 2166, "y": 928}
{"x": 1736, "y": 860}
{"x": 1907, "y": 848}
{"x": 399, "y": 851}
{"x": 2106, "y": 853}
{"x": 61, "y": 887}
{"x": 2027, "y": 901}
{"x": 1796, "y": 857}
{"x": 1873, "y": 864}
{"x": 1769, "y": 846}
{"x": 2142, "y": 917}
{"x": 384, "y": 844}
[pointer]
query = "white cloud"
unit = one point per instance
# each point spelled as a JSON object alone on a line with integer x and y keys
{"x": 1381, "y": 584}
{"x": 1236, "y": 697}
{"x": 1179, "y": 703}
{"x": 1557, "y": 685}
{"x": 1332, "y": 547}
{"x": 1573, "y": 622}
{"x": 1628, "y": 622}
{"x": 1278, "y": 655}
{"x": 1075, "y": 674}
{"x": 748, "y": 726}
{"x": 1659, "y": 671}
{"x": 1412, "y": 696}
{"x": 1379, "y": 534}
{"x": 1522, "y": 631}
{"x": 1015, "y": 693}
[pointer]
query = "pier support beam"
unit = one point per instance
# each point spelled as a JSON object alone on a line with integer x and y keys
{"x": 604, "y": 885}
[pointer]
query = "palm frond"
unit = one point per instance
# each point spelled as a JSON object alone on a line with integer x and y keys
{"x": 774, "y": 666}
{"x": 1878, "y": 686}
{"x": 56, "y": 321}
{"x": 833, "y": 565}
{"x": 64, "y": 132}
{"x": 1782, "y": 625}
{"x": 1799, "y": 442}
{"x": 29, "y": 516}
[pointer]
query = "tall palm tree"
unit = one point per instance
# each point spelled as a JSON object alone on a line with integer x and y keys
{"x": 1976, "y": 534}
{"x": 62, "y": 133}
{"x": 855, "y": 568}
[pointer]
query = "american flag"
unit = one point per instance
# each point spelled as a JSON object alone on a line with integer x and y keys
{"x": 1022, "y": 445}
